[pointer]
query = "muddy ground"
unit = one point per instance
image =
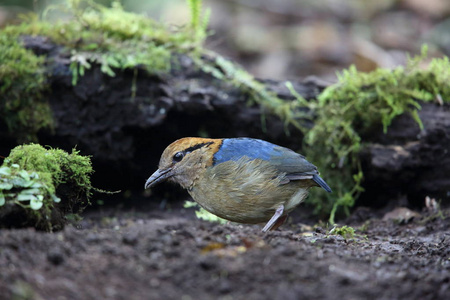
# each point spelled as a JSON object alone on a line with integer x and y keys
{"x": 154, "y": 254}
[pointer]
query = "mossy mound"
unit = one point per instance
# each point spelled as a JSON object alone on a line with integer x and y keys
{"x": 347, "y": 113}
{"x": 39, "y": 187}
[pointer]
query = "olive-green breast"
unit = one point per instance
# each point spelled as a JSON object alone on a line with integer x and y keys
{"x": 245, "y": 191}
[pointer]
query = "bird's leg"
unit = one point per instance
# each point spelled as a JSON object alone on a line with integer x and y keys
{"x": 279, "y": 222}
{"x": 274, "y": 220}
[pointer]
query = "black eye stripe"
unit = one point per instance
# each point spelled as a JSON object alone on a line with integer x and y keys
{"x": 198, "y": 146}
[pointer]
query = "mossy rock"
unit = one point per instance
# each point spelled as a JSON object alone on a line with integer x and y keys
{"x": 94, "y": 35}
{"x": 40, "y": 187}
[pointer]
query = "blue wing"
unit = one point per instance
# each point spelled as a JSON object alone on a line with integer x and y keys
{"x": 285, "y": 160}
{"x": 233, "y": 149}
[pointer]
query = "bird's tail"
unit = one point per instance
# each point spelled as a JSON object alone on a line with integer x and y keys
{"x": 317, "y": 179}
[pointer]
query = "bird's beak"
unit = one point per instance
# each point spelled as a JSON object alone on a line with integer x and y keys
{"x": 158, "y": 176}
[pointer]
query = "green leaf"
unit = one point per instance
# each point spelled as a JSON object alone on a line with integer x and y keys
{"x": 112, "y": 61}
{"x": 36, "y": 203}
{"x": 105, "y": 68}
{"x": 2, "y": 199}
{"x": 81, "y": 69}
{"x": 56, "y": 199}
{"x": 34, "y": 175}
{"x": 31, "y": 191}
{"x": 20, "y": 182}
{"x": 74, "y": 67}
{"x": 36, "y": 185}
{"x": 5, "y": 171}
{"x": 6, "y": 186}
{"x": 415, "y": 116}
{"x": 24, "y": 174}
{"x": 25, "y": 197}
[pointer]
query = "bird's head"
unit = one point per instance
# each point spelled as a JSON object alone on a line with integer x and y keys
{"x": 184, "y": 160}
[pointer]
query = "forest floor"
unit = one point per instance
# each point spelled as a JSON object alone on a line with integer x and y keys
{"x": 154, "y": 254}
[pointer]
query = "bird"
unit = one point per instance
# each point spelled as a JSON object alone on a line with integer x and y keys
{"x": 243, "y": 180}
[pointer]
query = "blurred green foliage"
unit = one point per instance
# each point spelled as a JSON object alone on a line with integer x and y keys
{"x": 22, "y": 83}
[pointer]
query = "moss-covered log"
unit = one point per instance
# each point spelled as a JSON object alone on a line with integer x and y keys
{"x": 111, "y": 97}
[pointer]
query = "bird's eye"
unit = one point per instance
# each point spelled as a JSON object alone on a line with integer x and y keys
{"x": 178, "y": 157}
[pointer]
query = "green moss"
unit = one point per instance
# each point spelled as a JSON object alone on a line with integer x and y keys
{"x": 60, "y": 165}
{"x": 93, "y": 34}
{"x": 358, "y": 104}
{"x": 347, "y": 232}
{"x": 22, "y": 82}
{"x": 116, "y": 40}
{"x": 256, "y": 91}
{"x": 36, "y": 178}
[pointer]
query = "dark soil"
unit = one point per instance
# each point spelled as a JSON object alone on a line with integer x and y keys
{"x": 158, "y": 254}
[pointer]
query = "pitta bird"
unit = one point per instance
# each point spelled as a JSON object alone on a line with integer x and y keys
{"x": 243, "y": 180}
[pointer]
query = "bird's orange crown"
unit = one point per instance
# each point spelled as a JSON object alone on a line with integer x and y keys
{"x": 189, "y": 144}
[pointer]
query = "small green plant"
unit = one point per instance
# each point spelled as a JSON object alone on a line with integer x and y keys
{"x": 203, "y": 214}
{"x": 35, "y": 182}
{"x": 345, "y": 231}
{"x": 24, "y": 188}
{"x": 199, "y": 21}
